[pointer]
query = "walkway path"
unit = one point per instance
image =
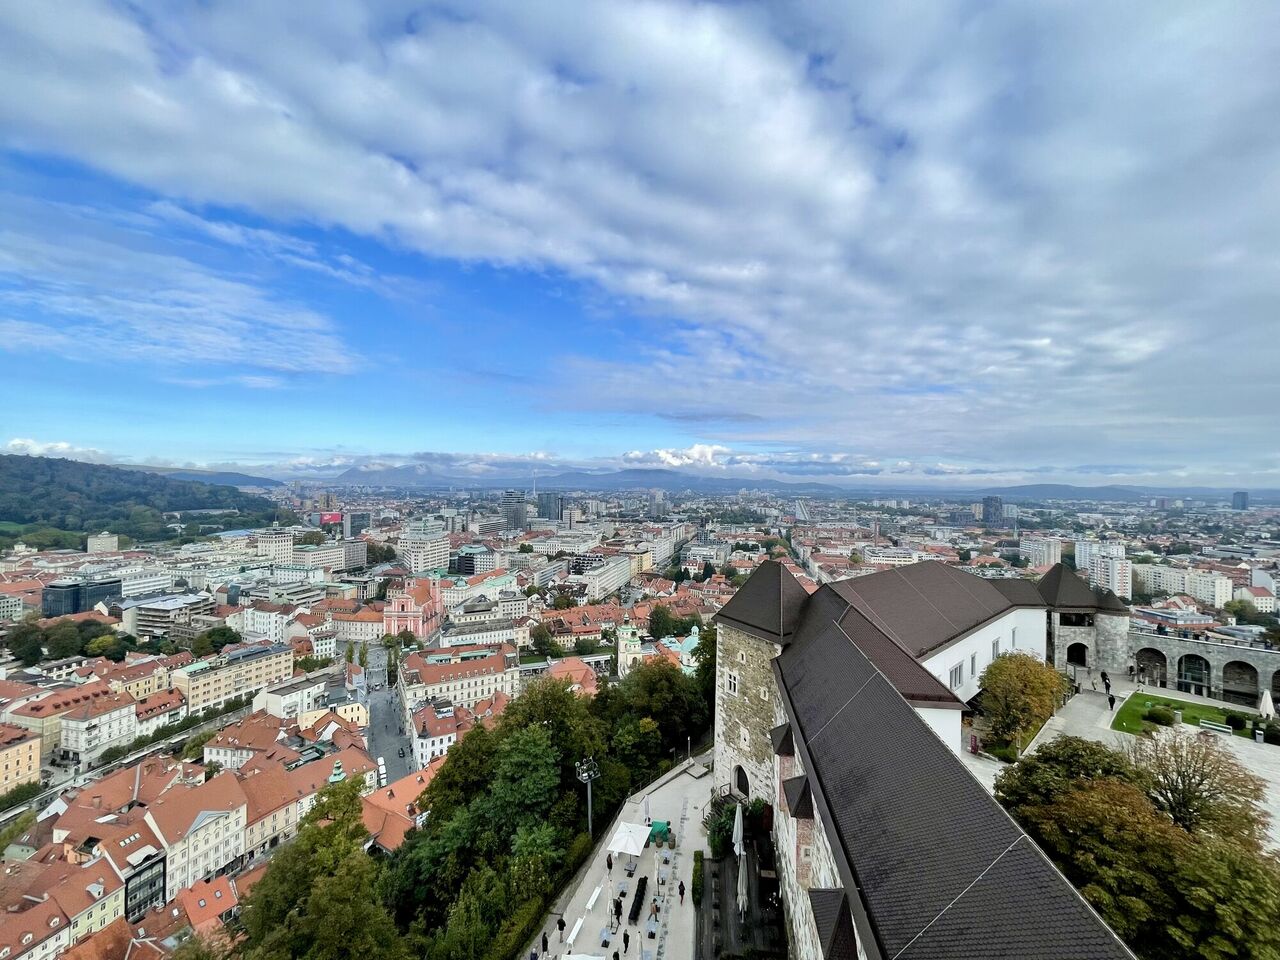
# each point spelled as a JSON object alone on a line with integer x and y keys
{"x": 681, "y": 798}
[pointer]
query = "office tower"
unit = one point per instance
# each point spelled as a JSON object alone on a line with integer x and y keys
{"x": 992, "y": 511}
{"x": 1240, "y": 500}
{"x": 514, "y": 510}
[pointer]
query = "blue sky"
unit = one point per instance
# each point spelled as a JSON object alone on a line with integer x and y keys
{"x": 934, "y": 243}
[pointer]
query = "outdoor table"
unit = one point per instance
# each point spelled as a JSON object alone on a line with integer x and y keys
{"x": 662, "y": 876}
{"x": 605, "y": 936}
{"x": 623, "y": 886}
{"x": 631, "y": 867}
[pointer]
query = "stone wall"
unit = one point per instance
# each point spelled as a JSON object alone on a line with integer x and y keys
{"x": 745, "y": 717}
{"x": 1218, "y": 655}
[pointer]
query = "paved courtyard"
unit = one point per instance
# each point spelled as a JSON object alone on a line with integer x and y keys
{"x": 680, "y": 798}
{"x": 1086, "y": 715}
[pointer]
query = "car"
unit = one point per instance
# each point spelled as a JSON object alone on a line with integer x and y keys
{"x": 402, "y": 751}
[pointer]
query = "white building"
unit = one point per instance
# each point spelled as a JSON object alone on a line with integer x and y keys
{"x": 1263, "y": 600}
{"x": 1086, "y": 550}
{"x": 103, "y": 543}
{"x": 275, "y": 545}
{"x": 1112, "y": 573}
{"x": 106, "y": 722}
{"x": 1040, "y": 551}
{"x": 293, "y": 698}
{"x": 202, "y": 828}
{"x": 604, "y": 578}
{"x": 1208, "y": 588}
{"x": 424, "y": 547}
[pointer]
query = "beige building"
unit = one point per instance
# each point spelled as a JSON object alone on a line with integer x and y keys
{"x": 203, "y": 829}
{"x": 44, "y": 716}
{"x": 19, "y": 756}
{"x": 214, "y": 681}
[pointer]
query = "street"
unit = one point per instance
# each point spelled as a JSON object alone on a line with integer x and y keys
{"x": 384, "y": 738}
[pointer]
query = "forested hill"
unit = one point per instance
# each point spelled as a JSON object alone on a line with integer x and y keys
{"x": 39, "y": 494}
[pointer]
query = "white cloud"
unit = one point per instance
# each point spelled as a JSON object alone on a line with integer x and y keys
{"x": 926, "y": 233}
{"x": 25, "y": 446}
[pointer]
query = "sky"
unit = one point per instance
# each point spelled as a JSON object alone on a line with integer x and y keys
{"x": 943, "y": 242}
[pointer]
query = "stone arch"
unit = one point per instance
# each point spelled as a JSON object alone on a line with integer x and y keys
{"x": 1240, "y": 683}
{"x": 741, "y": 782}
{"x": 1193, "y": 674}
{"x": 1078, "y": 654}
{"x": 1153, "y": 665}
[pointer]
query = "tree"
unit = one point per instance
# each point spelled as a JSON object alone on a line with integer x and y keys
{"x": 63, "y": 640}
{"x": 351, "y": 652}
{"x": 1200, "y": 785}
{"x": 562, "y": 602}
{"x": 661, "y": 622}
{"x": 542, "y": 642}
{"x": 26, "y": 642}
{"x": 708, "y": 570}
{"x": 704, "y": 673}
{"x": 364, "y": 656}
{"x": 1019, "y": 692}
{"x": 525, "y": 548}
{"x": 312, "y": 538}
{"x": 1062, "y": 765}
{"x": 193, "y": 749}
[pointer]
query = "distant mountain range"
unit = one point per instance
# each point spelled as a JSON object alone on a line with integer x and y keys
{"x": 422, "y": 476}
{"x": 221, "y": 477}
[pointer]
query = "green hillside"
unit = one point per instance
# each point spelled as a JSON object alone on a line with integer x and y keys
{"x": 49, "y": 502}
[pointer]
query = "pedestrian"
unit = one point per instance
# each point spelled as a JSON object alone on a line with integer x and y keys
{"x": 608, "y": 863}
{"x": 1105, "y": 679}
{"x": 680, "y": 889}
{"x": 626, "y": 941}
{"x": 1094, "y": 681}
{"x": 533, "y": 954}
{"x": 1107, "y": 685}
{"x": 1111, "y": 702}
{"x": 615, "y": 955}
{"x": 560, "y": 927}
{"x": 545, "y": 945}
{"x": 653, "y": 909}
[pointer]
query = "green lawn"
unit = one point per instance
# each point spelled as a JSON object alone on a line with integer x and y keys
{"x": 1129, "y": 717}
{"x": 9, "y": 525}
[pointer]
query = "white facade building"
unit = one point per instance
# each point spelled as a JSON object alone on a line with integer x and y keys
{"x": 1040, "y": 551}
{"x": 1112, "y": 573}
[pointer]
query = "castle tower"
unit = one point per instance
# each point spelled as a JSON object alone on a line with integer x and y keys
{"x": 752, "y": 629}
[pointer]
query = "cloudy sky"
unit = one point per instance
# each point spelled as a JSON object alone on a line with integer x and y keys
{"x": 838, "y": 241}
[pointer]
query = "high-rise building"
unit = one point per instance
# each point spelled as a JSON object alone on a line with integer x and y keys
{"x": 657, "y": 503}
{"x": 549, "y": 505}
{"x": 1086, "y": 550}
{"x": 1240, "y": 500}
{"x": 424, "y": 546}
{"x": 276, "y": 545}
{"x": 1040, "y": 551}
{"x": 74, "y": 595}
{"x": 515, "y": 510}
{"x": 992, "y": 511}
{"x": 103, "y": 542}
{"x": 1112, "y": 573}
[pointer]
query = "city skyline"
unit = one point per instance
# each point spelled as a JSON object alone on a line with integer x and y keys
{"x": 934, "y": 247}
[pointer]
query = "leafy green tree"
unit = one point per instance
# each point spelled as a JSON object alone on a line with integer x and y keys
{"x": 525, "y": 548}
{"x": 661, "y": 622}
{"x": 63, "y": 640}
{"x": 312, "y": 538}
{"x": 1059, "y": 766}
{"x": 708, "y": 570}
{"x": 704, "y": 655}
{"x": 1019, "y": 692}
{"x": 541, "y": 641}
{"x": 26, "y": 642}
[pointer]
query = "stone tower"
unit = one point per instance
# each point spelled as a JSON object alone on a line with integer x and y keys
{"x": 752, "y": 629}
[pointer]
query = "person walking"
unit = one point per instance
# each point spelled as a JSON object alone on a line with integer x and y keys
{"x": 1105, "y": 679}
{"x": 653, "y": 909}
{"x": 533, "y": 954}
{"x": 626, "y": 940}
{"x": 1094, "y": 682}
{"x": 1111, "y": 702}
{"x": 608, "y": 863}
{"x": 545, "y": 944}
{"x": 560, "y": 927}
{"x": 680, "y": 890}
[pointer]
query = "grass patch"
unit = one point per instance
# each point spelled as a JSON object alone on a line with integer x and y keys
{"x": 1129, "y": 717}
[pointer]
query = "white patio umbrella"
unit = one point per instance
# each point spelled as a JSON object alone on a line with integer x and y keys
{"x": 739, "y": 850}
{"x": 629, "y": 838}
{"x": 1266, "y": 709}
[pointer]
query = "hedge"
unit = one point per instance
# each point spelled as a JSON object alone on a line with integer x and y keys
{"x": 695, "y": 885}
{"x": 20, "y": 794}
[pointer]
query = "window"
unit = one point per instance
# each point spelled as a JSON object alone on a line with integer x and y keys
{"x": 973, "y": 664}
{"x": 744, "y": 737}
{"x": 731, "y": 683}
{"x": 742, "y": 656}
{"x": 764, "y": 693}
{"x": 1013, "y": 639}
{"x": 957, "y": 676}
{"x": 995, "y": 648}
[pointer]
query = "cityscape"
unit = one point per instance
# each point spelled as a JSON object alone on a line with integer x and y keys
{"x": 650, "y": 481}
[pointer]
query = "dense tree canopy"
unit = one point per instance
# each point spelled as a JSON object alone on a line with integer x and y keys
{"x": 1163, "y": 839}
{"x": 1019, "y": 692}
{"x": 69, "y": 499}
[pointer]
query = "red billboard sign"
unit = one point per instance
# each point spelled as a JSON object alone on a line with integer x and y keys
{"x": 330, "y": 518}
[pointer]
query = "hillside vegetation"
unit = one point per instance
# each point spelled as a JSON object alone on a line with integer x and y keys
{"x": 49, "y": 502}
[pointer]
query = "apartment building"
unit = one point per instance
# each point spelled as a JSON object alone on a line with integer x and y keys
{"x": 363, "y": 626}
{"x": 293, "y": 698}
{"x": 159, "y": 710}
{"x": 1208, "y": 588}
{"x": 275, "y": 546}
{"x": 1112, "y": 573}
{"x": 424, "y": 547}
{"x": 462, "y": 675}
{"x": 604, "y": 578}
{"x": 44, "y": 715}
{"x": 203, "y": 829}
{"x": 235, "y": 672}
{"x": 1086, "y": 550}
{"x": 487, "y": 632}
{"x": 97, "y": 726}
{"x": 155, "y": 617}
{"x": 19, "y": 756}
{"x": 1040, "y": 551}
{"x": 56, "y": 904}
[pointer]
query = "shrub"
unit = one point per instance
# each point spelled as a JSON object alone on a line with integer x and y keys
{"x": 695, "y": 885}
{"x": 1006, "y": 752}
{"x": 517, "y": 931}
{"x": 1236, "y": 721}
{"x": 1271, "y": 734}
{"x": 579, "y": 849}
{"x": 20, "y": 794}
{"x": 1161, "y": 716}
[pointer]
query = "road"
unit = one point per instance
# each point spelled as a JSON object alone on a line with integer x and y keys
{"x": 385, "y": 739}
